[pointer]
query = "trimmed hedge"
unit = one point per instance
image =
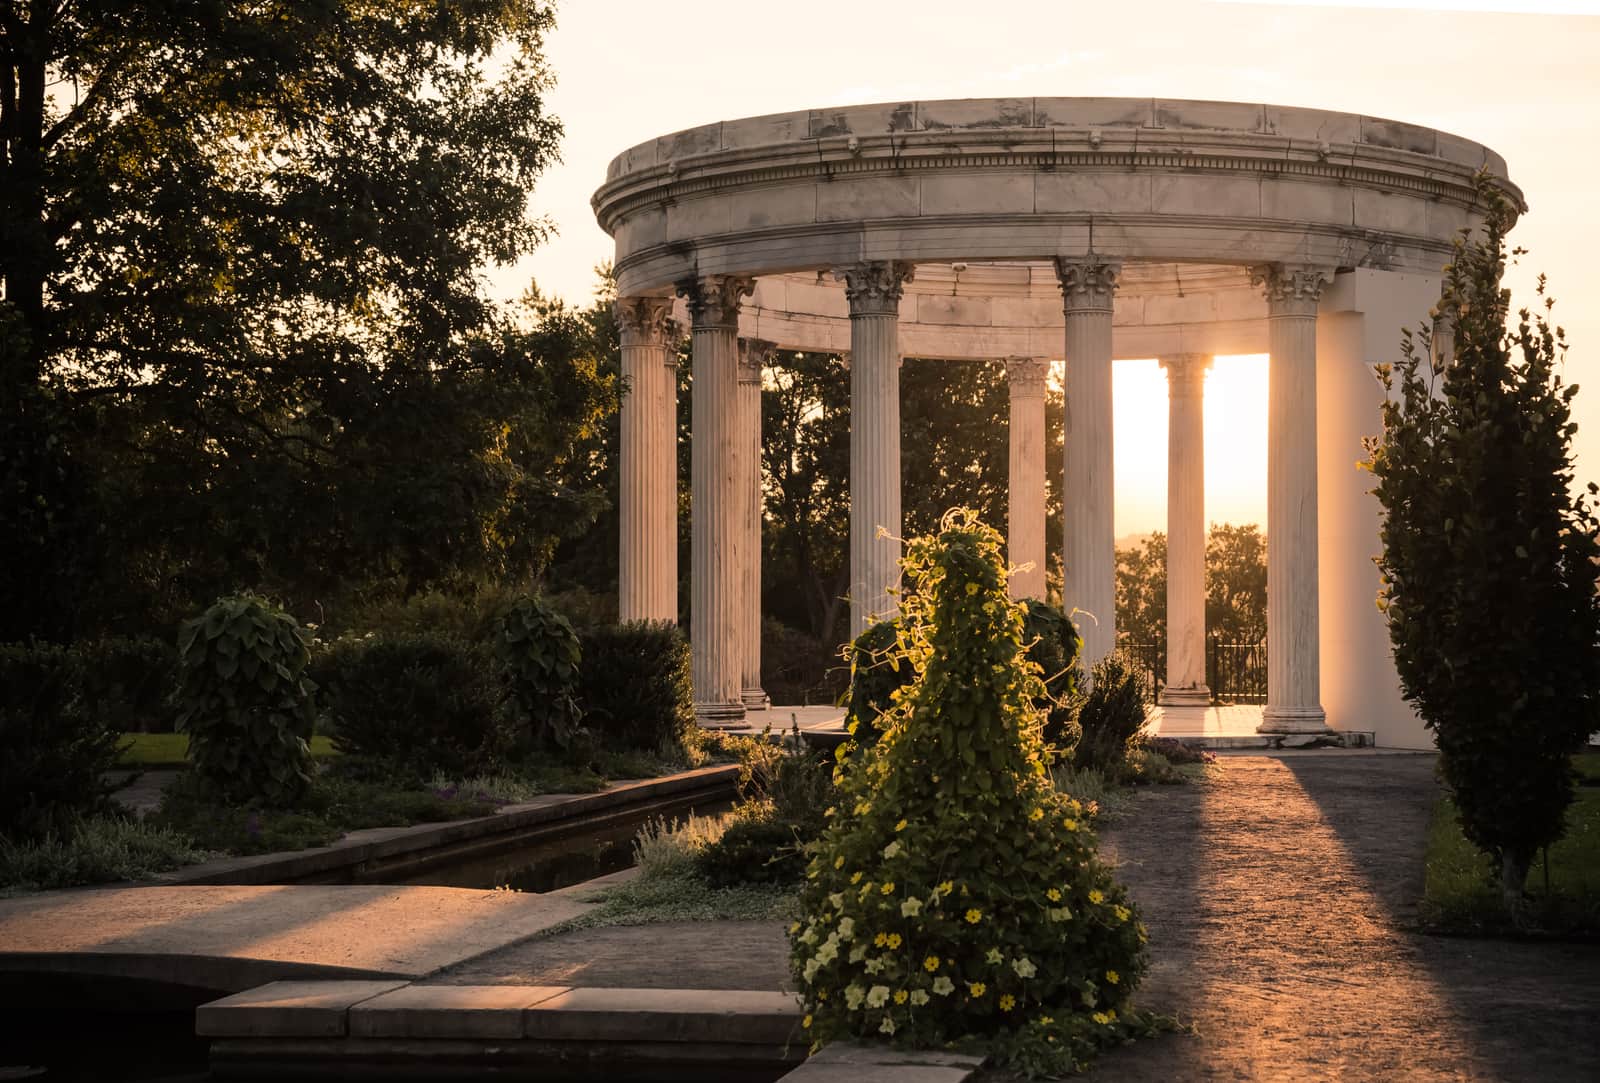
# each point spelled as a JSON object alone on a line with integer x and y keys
{"x": 129, "y": 683}
{"x": 53, "y": 753}
{"x": 633, "y": 685}
{"x": 405, "y": 706}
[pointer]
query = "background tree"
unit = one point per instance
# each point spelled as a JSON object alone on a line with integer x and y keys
{"x": 1488, "y": 558}
{"x": 244, "y": 338}
{"x": 1236, "y": 586}
{"x": 1142, "y": 590}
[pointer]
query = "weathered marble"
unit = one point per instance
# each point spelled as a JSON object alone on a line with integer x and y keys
{"x": 1025, "y": 377}
{"x": 1186, "y": 531}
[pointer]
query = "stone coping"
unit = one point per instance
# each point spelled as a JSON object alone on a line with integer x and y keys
{"x": 397, "y": 1010}
{"x": 386, "y": 843}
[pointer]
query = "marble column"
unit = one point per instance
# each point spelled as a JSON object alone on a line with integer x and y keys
{"x": 717, "y": 503}
{"x": 647, "y": 568}
{"x": 1089, "y": 562}
{"x": 753, "y": 354}
{"x": 873, "y": 289}
{"x": 1293, "y": 630}
{"x": 1025, "y": 504}
{"x": 1186, "y": 531}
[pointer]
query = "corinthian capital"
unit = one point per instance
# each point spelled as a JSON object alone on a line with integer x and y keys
{"x": 1292, "y": 289}
{"x": 714, "y": 299}
{"x": 1087, "y": 282}
{"x": 645, "y": 321}
{"x": 874, "y": 287}
{"x": 753, "y": 354}
{"x": 1186, "y": 372}
{"x": 1025, "y": 375}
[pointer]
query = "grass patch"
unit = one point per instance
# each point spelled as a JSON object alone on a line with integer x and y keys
{"x": 681, "y": 895}
{"x": 330, "y": 807}
{"x": 1461, "y": 895}
{"x": 171, "y": 750}
{"x": 99, "y": 850}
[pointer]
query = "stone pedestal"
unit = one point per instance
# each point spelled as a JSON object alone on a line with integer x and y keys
{"x": 873, "y": 289}
{"x": 719, "y": 504}
{"x": 1025, "y": 505}
{"x": 753, "y": 354}
{"x": 647, "y": 567}
{"x": 1186, "y": 531}
{"x": 1293, "y": 643}
{"x": 1089, "y": 560}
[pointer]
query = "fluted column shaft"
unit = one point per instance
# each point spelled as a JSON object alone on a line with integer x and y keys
{"x": 874, "y": 289}
{"x": 1025, "y": 505}
{"x": 753, "y": 354}
{"x": 1293, "y": 648}
{"x": 718, "y": 503}
{"x": 647, "y": 567}
{"x": 1089, "y": 561}
{"x": 1186, "y": 531}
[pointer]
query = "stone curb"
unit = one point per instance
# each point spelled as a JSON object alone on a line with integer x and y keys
{"x": 379, "y": 844}
{"x": 849, "y": 1062}
{"x": 400, "y": 1010}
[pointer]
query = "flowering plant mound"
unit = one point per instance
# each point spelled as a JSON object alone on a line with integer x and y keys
{"x": 956, "y": 892}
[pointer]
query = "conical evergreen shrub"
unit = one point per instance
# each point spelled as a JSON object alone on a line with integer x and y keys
{"x": 956, "y": 892}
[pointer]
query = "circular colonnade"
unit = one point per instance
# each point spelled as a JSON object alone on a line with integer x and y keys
{"x": 1033, "y": 230}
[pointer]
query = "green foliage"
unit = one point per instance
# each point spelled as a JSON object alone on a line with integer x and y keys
{"x": 53, "y": 753}
{"x": 1236, "y": 586}
{"x": 245, "y": 701}
{"x": 669, "y": 848}
{"x": 1111, "y": 716}
{"x": 633, "y": 686}
{"x": 539, "y": 657}
{"x": 754, "y": 851}
{"x": 879, "y": 667}
{"x": 798, "y": 668}
{"x": 412, "y": 704}
{"x": 129, "y": 683}
{"x": 957, "y": 892}
{"x": 327, "y": 808}
{"x": 98, "y": 850}
{"x": 1489, "y": 558}
{"x": 1053, "y": 644}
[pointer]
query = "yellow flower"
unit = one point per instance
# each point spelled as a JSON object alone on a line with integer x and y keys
{"x": 931, "y": 963}
{"x": 894, "y": 941}
{"x": 1007, "y": 1002}
{"x": 900, "y": 996}
{"x": 1036, "y": 814}
{"x": 1101, "y": 1017}
{"x": 822, "y": 994}
{"x": 806, "y": 1022}
{"x": 880, "y": 940}
{"x": 855, "y": 878}
{"x": 1111, "y": 1014}
{"x": 974, "y": 916}
{"x": 1053, "y": 895}
{"x": 972, "y": 588}
{"x": 901, "y": 826}
{"x": 1047, "y": 1019}
{"x": 976, "y": 988}
{"x": 1113, "y": 977}
{"x": 1097, "y": 896}
{"x": 838, "y": 862}
{"x": 1070, "y": 825}
{"x": 947, "y": 887}
{"x": 888, "y": 889}
{"x": 862, "y": 808}
{"x": 1122, "y": 913}
{"x": 795, "y": 927}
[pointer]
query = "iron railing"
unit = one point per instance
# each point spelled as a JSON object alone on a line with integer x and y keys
{"x": 1235, "y": 672}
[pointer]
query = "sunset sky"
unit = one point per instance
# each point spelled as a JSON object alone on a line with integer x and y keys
{"x": 1527, "y": 85}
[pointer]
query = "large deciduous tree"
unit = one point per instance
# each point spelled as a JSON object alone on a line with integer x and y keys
{"x": 244, "y": 337}
{"x": 1489, "y": 557}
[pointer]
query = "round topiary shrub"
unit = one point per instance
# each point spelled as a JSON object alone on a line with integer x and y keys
{"x": 1053, "y": 643}
{"x": 539, "y": 657}
{"x": 878, "y": 669}
{"x": 245, "y": 701}
{"x": 957, "y": 893}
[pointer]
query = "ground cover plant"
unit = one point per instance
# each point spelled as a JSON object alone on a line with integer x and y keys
{"x": 1489, "y": 551}
{"x": 956, "y": 894}
{"x": 1460, "y": 886}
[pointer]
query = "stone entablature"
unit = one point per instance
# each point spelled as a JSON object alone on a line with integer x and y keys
{"x": 996, "y": 179}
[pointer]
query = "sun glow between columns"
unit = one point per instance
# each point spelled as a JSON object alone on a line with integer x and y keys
{"x": 1236, "y": 443}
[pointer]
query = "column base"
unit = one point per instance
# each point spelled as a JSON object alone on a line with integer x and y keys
{"x": 714, "y": 716}
{"x": 755, "y": 699}
{"x": 1293, "y": 720}
{"x": 1193, "y": 696}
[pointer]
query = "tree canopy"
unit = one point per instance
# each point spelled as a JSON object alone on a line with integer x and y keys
{"x": 245, "y": 339}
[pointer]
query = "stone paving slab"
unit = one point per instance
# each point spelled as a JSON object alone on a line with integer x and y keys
{"x": 848, "y": 1062}
{"x": 288, "y": 1009}
{"x": 449, "y": 1011}
{"x": 234, "y": 938}
{"x": 751, "y": 1016}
